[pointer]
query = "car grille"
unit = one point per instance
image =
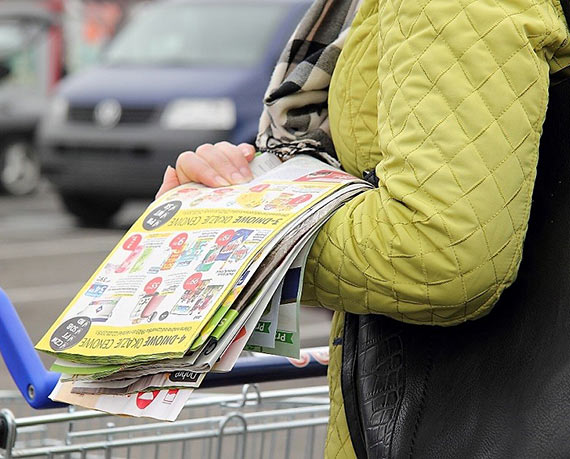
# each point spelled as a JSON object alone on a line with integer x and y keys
{"x": 99, "y": 151}
{"x": 129, "y": 115}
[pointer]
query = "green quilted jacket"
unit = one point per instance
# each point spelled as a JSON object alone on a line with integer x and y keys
{"x": 445, "y": 100}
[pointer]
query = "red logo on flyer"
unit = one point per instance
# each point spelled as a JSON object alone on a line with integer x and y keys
{"x": 187, "y": 190}
{"x": 178, "y": 241}
{"x": 132, "y": 242}
{"x": 302, "y": 362}
{"x": 225, "y": 237}
{"x": 300, "y": 199}
{"x": 259, "y": 188}
{"x": 144, "y": 399}
{"x": 193, "y": 282}
{"x": 152, "y": 285}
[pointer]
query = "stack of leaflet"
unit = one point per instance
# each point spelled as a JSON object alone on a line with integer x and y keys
{"x": 200, "y": 274}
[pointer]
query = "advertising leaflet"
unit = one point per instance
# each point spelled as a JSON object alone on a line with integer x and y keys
{"x": 173, "y": 380}
{"x": 198, "y": 275}
{"x": 164, "y": 405}
{"x": 264, "y": 332}
{"x": 204, "y": 360}
{"x": 196, "y": 243}
{"x": 277, "y": 332}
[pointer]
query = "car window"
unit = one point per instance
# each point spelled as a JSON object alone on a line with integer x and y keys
{"x": 22, "y": 53}
{"x": 196, "y": 34}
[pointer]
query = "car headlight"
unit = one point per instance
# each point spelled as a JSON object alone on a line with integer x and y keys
{"x": 200, "y": 114}
{"x": 58, "y": 110}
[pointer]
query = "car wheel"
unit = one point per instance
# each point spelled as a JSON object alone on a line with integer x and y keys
{"x": 19, "y": 168}
{"x": 91, "y": 211}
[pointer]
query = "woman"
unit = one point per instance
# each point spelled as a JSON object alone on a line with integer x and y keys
{"x": 445, "y": 101}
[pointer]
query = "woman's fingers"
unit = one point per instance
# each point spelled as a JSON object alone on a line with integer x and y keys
{"x": 218, "y": 162}
{"x": 169, "y": 181}
{"x": 248, "y": 151}
{"x": 191, "y": 167}
{"x": 221, "y": 164}
{"x": 239, "y": 158}
{"x": 216, "y": 165}
{"x": 227, "y": 160}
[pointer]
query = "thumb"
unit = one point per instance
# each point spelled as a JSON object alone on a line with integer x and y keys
{"x": 248, "y": 151}
{"x": 169, "y": 181}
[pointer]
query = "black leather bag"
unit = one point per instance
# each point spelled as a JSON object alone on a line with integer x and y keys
{"x": 497, "y": 387}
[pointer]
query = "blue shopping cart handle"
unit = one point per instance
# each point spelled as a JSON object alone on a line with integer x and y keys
{"x": 22, "y": 360}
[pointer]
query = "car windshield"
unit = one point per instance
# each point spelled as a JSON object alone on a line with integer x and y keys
{"x": 191, "y": 34}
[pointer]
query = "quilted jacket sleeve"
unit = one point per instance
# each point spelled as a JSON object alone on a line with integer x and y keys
{"x": 463, "y": 89}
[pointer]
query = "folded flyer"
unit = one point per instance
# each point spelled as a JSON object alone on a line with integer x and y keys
{"x": 187, "y": 285}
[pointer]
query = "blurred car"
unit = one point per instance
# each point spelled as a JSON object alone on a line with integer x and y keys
{"x": 29, "y": 65}
{"x": 178, "y": 74}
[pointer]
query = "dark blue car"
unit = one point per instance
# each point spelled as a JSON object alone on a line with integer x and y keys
{"x": 179, "y": 74}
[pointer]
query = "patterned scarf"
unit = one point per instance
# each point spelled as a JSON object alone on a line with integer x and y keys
{"x": 295, "y": 116}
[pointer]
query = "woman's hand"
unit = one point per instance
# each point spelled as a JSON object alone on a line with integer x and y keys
{"x": 222, "y": 164}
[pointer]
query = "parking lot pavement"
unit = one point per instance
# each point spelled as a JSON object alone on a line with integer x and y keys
{"x": 45, "y": 259}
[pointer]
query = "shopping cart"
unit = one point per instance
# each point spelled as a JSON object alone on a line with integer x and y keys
{"x": 253, "y": 423}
